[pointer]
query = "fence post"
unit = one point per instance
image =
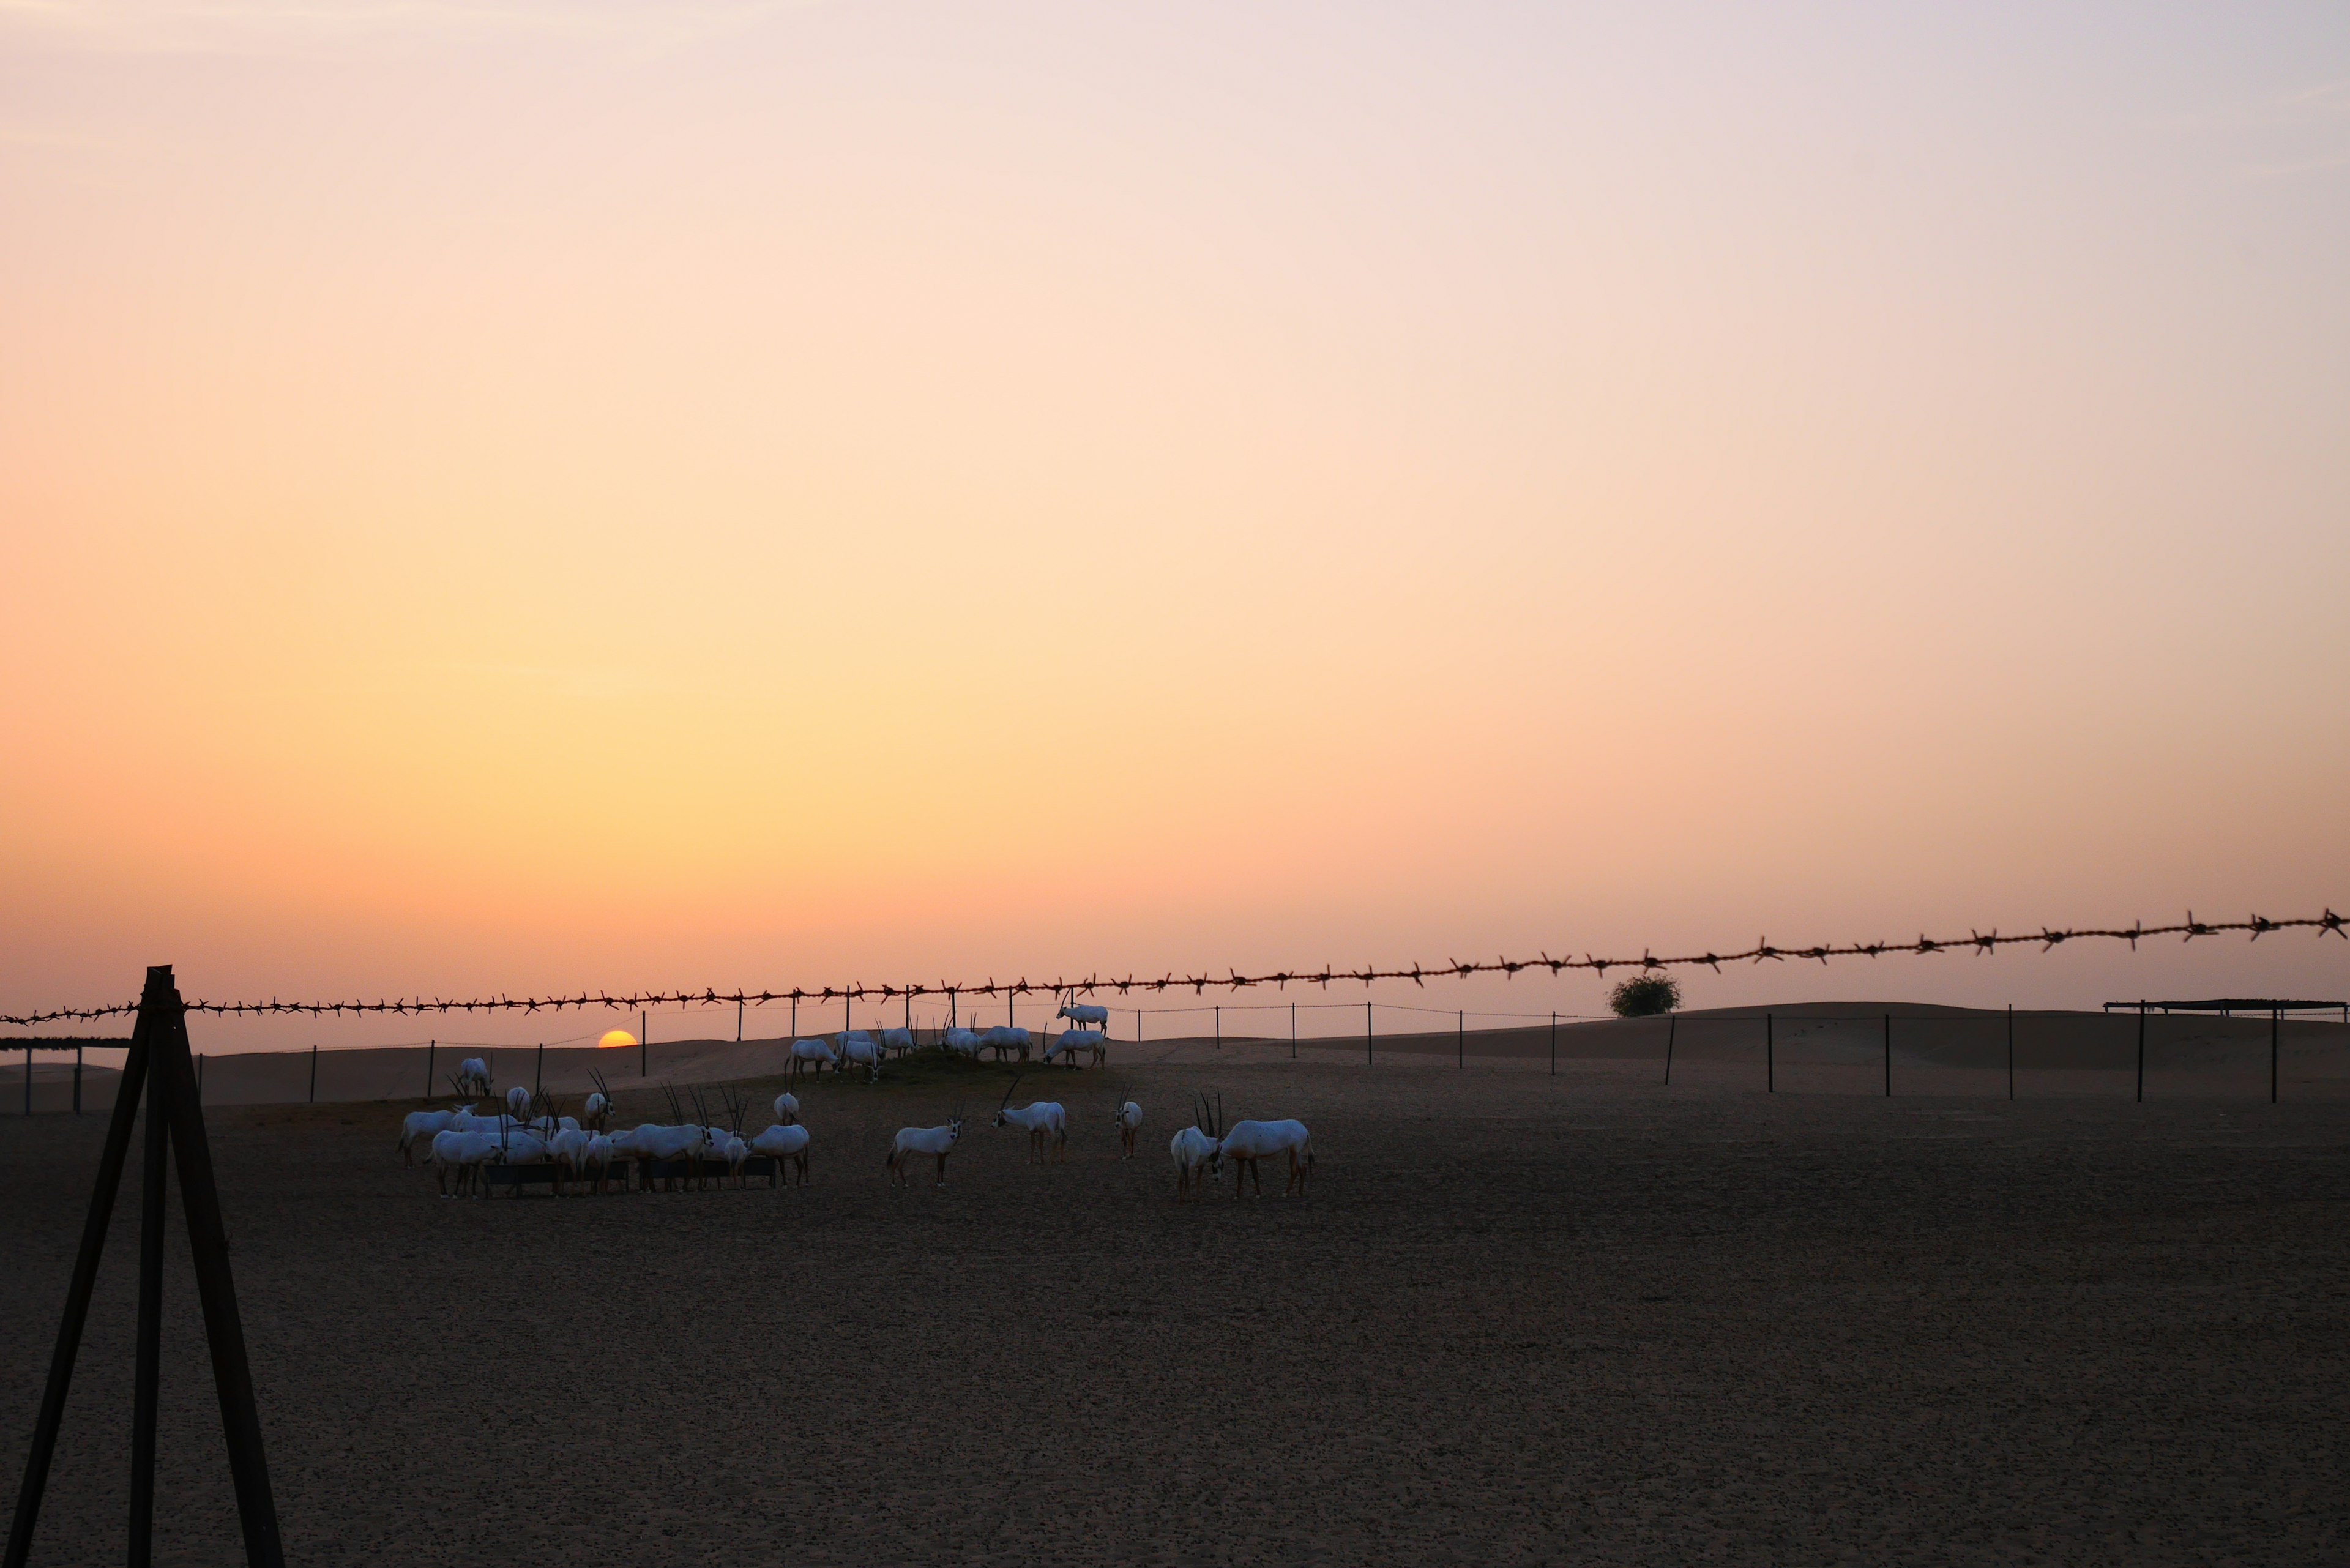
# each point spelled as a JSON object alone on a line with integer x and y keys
{"x": 738, "y": 1021}
{"x": 645, "y": 1043}
{"x": 1220, "y": 1028}
{"x": 537, "y": 1075}
{"x": 1888, "y": 1055}
{"x": 28, "y": 1080}
{"x": 2275, "y": 1015}
{"x": 1292, "y": 1032}
{"x": 2141, "y": 1053}
{"x": 1367, "y": 1034}
{"x": 430, "y": 1047}
{"x": 2011, "y": 1050}
{"x": 1554, "y": 1048}
{"x": 1137, "y": 1026}
{"x": 1461, "y": 1040}
{"x": 1673, "y": 1027}
{"x": 314, "y": 1071}
{"x": 76, "y": 1080}
{"x": 1770, "y": 1059}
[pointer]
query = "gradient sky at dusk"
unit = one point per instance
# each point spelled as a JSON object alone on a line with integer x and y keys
{"x": 544, "y": 495}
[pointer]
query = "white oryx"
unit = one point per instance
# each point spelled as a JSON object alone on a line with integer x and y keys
{"x": 1082, "y": 1013}
{"x": 1194, "y": 1151}
{"x": 1075, "y": 1042}
{"x": 933, "y": 1141}
{"x": 787, "y": 1108}
{"x": 595, "y": 1160}
{"x": 858, "y": 1047}
{"x": 1043, "y": 1120}
{"x": 473, "y": 1077}
{"x": 961, "y": 1043}
{"x": 786, "y": 1143}
{"x": 425, "y": 1125}
{"x": 813, "y": 1055}
{"x": 597, "y": 1112}
{"x": 462, "y": 1152}
{"x": 1249, "y": 1142}
{"x": 518, "y": 1103}
{"x": 896, "y": 1040}
{"x": 568, "y": 1149}
{"x": 1004, "y": 1037}
{"x": 1127, "y": 1119}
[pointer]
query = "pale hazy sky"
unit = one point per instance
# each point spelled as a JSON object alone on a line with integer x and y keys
{"x": 604, "y": 494}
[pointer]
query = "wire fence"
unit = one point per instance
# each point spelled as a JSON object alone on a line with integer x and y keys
{"x": 2256, "y": 926}
{"x": 1948, "y": 1051}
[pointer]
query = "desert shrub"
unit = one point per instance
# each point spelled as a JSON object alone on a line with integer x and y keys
{"x": 1645, "y": 996}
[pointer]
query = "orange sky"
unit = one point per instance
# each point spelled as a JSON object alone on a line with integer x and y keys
{"x": 611, "y": 495}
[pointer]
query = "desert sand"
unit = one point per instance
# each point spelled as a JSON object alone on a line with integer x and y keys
{"x": 1519, "y": 1319}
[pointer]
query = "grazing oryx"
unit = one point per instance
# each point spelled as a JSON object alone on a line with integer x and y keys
{"x": 786, "y": 1143}
{"x": 1075, "y": 1042}
{"x": 597, "y": 1112}
{"x": 859, "y": 1047}
{"x": 518, "y": 1103}
{"x": 1003, "y": 1037}
{"x": 595, "y": 1160}
{"x": 961, "y": 1043}
{"x": 570, "y": 1150}
{"x": 462, "y": 1152}
{"x": 1083, "y": 1012}
{"x": 425, "y": 1125}
{"x": 1045, "y": 1119}
{"x": 1128, "y": 1121}
{"x": 896, "y": 1040}
{"x": 473, "y": 1077}
{"x": 934, "y": 1141}
{"x": 812, "y": 1055}
{"x": 1194, "y": 1150}
{"x": 787, "y": 1108}
{"x": 1249, "y": 1142}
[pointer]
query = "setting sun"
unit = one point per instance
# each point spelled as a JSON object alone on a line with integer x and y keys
{"x": 615, "y": 1038}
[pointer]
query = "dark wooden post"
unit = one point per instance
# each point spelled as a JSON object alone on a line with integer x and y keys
{"x": 2141, "y": 1053}
{"x": 644, "y": 1046}
{"x": 537, "y": 1075}
{"x": 2276, "y": 1015}
{"x": 1367, "y": 1034}
{"x": 1673, "y": 1027}
{"x": 430, "y": 1047}
{"x": 28, "y": 1080}
{"x": 1554, "y": 1048}
{"x": 76, "y": 1080}
{"x": 1888, "y": 1055}
{"x": 2011, "y": 1050}
{"x": 1220, "y": 1028}
{"x": 314, "y": 1071}
{"x": 1770, "y": 1059}
{"x": 158, "y": 1068}
{"x": 1461, "y": 1039}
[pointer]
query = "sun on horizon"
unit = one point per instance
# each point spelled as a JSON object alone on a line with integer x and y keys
{"x": 614, "y": 1039}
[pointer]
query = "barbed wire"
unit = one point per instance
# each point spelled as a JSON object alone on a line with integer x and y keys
{"x": 1095, "y": 984}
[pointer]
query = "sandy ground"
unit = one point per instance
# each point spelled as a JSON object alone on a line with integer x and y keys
{"x": 1584, "y": 1319}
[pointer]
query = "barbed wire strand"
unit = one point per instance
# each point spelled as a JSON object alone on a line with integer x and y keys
{"x": 1095, "y": 985}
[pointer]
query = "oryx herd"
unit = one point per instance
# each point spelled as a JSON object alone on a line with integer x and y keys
{"x": 695, "y": 1152}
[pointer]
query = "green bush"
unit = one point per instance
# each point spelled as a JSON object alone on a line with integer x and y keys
{"x": 1645, "y": 996}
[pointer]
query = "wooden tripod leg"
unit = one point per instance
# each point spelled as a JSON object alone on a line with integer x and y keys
{"x": 148, "y": 1378}
{"x": 224, "y": 1333}
{"x": 78, "y": 1289}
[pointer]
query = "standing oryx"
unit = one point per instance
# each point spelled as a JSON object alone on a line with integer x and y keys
{"x": 1083, "y": 1012}
{"x": 787, "y": 1108}
{"x": 786, "y": 1143}
{"x": 1003, "y": 1037}
{"x": 473, "y": 1077}
{"x": 597, "y": 1112}
{"x": 813, "y": 1055}
{"x": 1249, "y": 1142}
{"x": 1194, "y": 1150}
{"x": 858, "y": 1047}
{"x": 912, "y": 1141}
{"x": 897, "y": 1041}
{"x": 1043, "y": 1120}
{"x": 1127, "y": 1119}
{"x": 961, "y": 1043}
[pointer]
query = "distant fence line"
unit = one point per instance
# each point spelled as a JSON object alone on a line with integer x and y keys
{"x": 2257, "y": 926}
{"x": 1767, "y": 1042}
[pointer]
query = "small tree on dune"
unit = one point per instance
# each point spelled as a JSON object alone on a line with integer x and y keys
{"x": 1645, "y": 996}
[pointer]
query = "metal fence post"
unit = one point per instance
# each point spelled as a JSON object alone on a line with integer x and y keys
{"x": 1888, "y": 1055}
{"x": 1367, "y": 1034}
{"x": 1770, "y": 1059}
{"x": 28, "y": 1080}
{"x": 645, "y": 1043}
{"x": 314, "y": 1071}
{"x": 2275, "y": 1015}
{"x": 1461, "y": 1039}
{"x": 1673, "y": 1027}
{"x": 1553, "y": 1047}
{"x": 1292, "y": 1032}
{"x": 430, "y": 1047}
{"x": 1220, "y": 1028}
{"x": 76, "y": 1080}
{"x": 537, "y": 1075}
{"x": 738, "y": 1021}
{"x": 2011, "y": 1050}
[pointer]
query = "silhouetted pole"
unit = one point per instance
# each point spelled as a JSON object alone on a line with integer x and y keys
{"x": 1554, "y": 1049}
{"x": 430, "y": 1046}
{"x": 146, "y": 1379}
{"x": 537, "y": 1075}
{"x": 1220, "y": 1028}
{"x": 2276, "y": 1015}
{"x": 645, "y": 1043}
{"x": 1292, "y": 1032}
{"x": 314, "y": 1071}
{"x": 2141, "y": 1053}
{"x": 1770, "y": 1059}
{"x": 1367, "y": 1034}
{"x": 2011, "y": 1050}
{"x": 1461, "y": 1040}
{"x": 28, "y": 1080}
{"x": 76, "y": 1080}
{"x": 1673, "y": 1027}
{"x": 1888, "y": 1055}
